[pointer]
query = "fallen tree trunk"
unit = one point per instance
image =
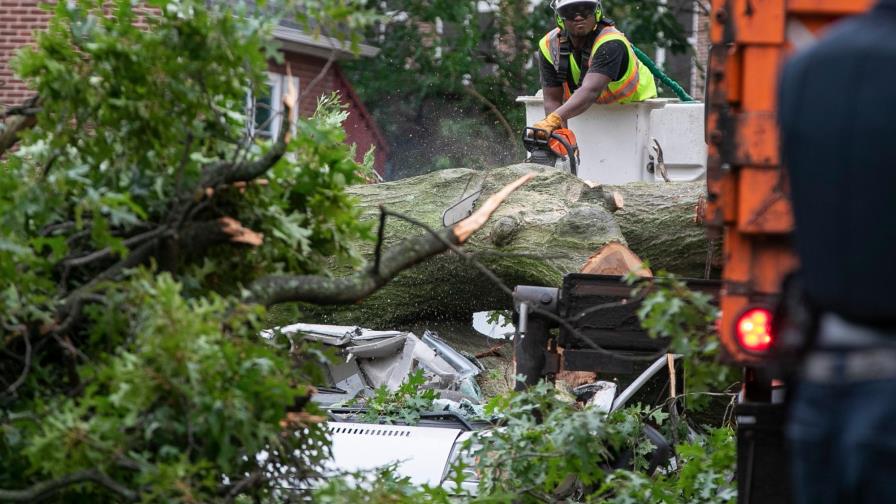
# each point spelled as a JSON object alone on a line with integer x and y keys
{"x": 661, "y": 223}
{"x": 549, "y": 227}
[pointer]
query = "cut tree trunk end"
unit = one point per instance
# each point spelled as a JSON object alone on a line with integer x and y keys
{"x": 615, "y": 259}
{"x": 611, "y": 259}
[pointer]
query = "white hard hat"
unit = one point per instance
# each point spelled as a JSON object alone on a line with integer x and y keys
{"x": 559, "y": 4}
{"x": 556, "y": 4}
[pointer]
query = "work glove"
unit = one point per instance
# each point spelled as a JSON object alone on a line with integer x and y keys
{"x": 549, "y": 124}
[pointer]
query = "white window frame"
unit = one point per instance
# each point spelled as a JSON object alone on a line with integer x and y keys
{"x": 278, "y": 86}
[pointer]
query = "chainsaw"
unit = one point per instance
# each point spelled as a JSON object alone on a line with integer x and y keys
{"x": 558, "y": 149}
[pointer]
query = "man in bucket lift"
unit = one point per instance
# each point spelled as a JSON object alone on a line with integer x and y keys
{"x": 584, "y": 39}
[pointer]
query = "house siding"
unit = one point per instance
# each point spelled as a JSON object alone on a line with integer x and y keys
{"x": 360, "y": 127}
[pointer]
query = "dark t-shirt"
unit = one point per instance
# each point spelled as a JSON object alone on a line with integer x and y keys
{"x": 611, "y": 59}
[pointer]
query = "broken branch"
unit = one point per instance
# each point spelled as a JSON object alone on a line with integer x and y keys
{"x": 25, "y": 368}
{"x": 239, "y": 234}
{"x": 465, "y": 228}
{"x": 45, "y": 489}
{"x": 198, "y": 236}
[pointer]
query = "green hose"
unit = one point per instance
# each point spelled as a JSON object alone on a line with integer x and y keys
{"x": 665, "y": 79}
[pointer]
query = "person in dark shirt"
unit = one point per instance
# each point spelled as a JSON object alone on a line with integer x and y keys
{"x": 586, "y": 60}
{"x": 837, "y": 117}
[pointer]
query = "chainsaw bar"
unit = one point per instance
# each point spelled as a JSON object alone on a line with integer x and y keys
{"x": 463, "y": 207}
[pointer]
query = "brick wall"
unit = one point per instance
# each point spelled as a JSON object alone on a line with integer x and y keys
{"x": 18, "y": 21}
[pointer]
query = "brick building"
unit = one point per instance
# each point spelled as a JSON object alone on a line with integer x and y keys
{"x": 312, "y": 61}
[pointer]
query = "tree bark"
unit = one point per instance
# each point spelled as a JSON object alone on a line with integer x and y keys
{"x": 549, "y": 227}
{"x": 662, "y": 225}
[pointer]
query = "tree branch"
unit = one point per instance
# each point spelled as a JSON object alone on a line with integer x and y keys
{"x": 378, "y": 250}
{"x": 14, "y": 126}
{"x": 249, "y": 481}
{"x": 107, "y": 252}
{"x": 28, "y": 107}
{"x": 74, "y": 302}
{"x": 219, "y": 174}
{"x": 26, "y": 367}
{"x": 323, "y": 290}
{"x": 201, "y": 235}
{"x": 45, "y": 489}
{"x": 320, "y": 289}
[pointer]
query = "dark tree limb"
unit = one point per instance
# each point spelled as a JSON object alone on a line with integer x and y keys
{"x": 222, "y": 174}
{"x": 253, "y": 479}
{"x": 108, "y": 252}
{"x": 73, "y": 303}
{"x": 378, "y": 251}
{"x": 46, "y": 489}
{"x": 29, "y": 107}
{"x": 195, "y": 237}
{"x": 61, "y": 227}
{"x": 16, "y": 120}
{"x": 323, "y": 290}
{"x": 25, "y": 368}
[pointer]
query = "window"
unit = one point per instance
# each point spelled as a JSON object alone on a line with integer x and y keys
{"x": 265, "y": 111}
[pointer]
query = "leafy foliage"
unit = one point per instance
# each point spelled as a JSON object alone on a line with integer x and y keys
{"x": 177, "y": 404}
{"x": 127, "y": 235}
{"x": 404, "y": 404}
{"x": 548, "y": 450}
{"x": 383, "y": 485}
{"x": 705, "y": 476}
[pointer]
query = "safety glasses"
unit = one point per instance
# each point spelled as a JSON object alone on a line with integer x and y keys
{"x": 572, "y": 11}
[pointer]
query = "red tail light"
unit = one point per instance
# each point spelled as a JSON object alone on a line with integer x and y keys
{"x": 753, "y": 330}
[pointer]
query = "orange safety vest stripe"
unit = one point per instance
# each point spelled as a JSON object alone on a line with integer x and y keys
{"x": 627, "y": 89}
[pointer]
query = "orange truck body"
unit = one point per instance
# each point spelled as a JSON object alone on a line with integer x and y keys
{"x": 747, "y": 203}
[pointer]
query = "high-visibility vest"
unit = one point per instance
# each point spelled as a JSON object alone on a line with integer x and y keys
{"x": 635, "y": 85}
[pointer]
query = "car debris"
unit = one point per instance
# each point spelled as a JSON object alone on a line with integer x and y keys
{"x": 372, "y": 359}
